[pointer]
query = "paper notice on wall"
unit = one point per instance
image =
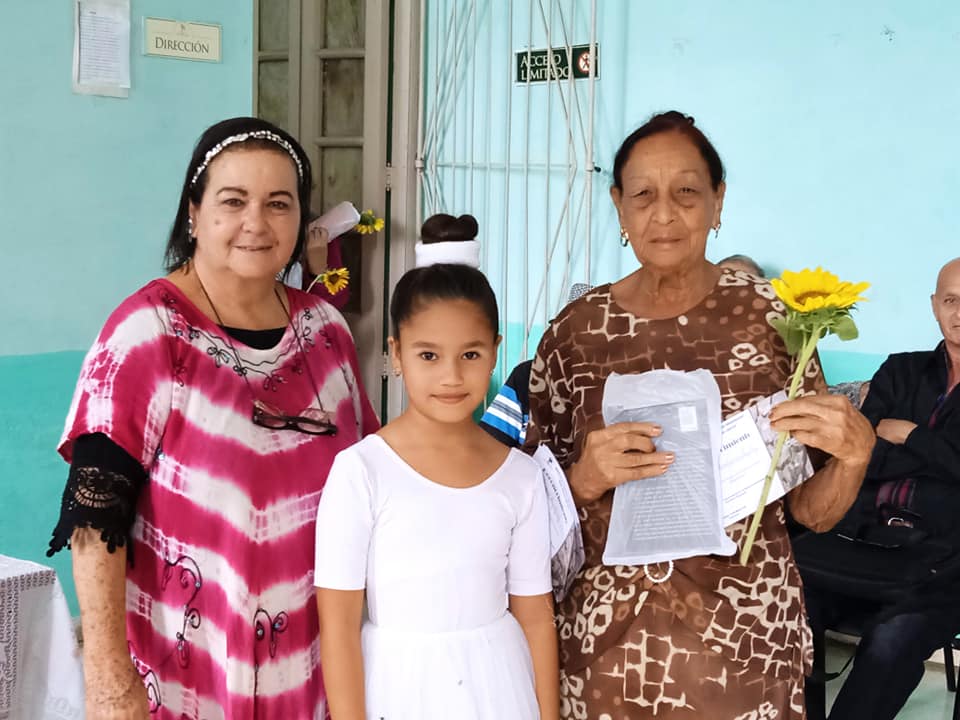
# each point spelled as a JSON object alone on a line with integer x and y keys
{"x": 101, "y": 47}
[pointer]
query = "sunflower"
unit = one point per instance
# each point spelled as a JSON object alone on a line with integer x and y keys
{"x": 819, "y": 304}
{"x": 369, "y": 223}
{"x": 335, "y": 279}
{"x": 810, "y": 290}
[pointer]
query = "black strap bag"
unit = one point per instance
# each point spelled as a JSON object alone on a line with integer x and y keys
{"x": 883, "y": 554}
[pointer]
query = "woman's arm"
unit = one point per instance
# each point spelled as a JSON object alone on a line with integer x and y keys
{"x": 114, "y": 689}
{"x": 341, "y": 614}
{"x": 609, "y": 456}
{"x": 535, "y": 615}
{"x": 614, "y": 455}
{"x": 96, "y": 513}
{"x": 831, "y": 424}
{"x": 824, "y": 499}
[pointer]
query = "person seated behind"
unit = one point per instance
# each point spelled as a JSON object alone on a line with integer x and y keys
{"x": 914, "y": 405}
{"x": 320, "y": 253}
{"x": 742, "y": 262}
{"x": 507, "y": 416}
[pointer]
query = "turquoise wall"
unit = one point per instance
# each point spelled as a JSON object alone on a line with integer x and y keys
{"x": 836, "y": 121}
{"x": 32, "y": 408}
{"x": 88, "y": 190}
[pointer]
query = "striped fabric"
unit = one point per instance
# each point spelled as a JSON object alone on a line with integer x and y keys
{"x": 506, "y": 417}
{"x": 221, "y": 617}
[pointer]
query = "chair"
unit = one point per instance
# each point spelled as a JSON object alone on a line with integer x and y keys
{"x": 822, "y": 565}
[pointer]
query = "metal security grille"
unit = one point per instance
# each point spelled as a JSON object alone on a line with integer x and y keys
{"x": 506, "y": 134}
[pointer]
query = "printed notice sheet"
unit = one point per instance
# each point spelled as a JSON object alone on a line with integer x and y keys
{"x": 676, "y": 514}
{"x": 566, "y": 540}
{"x": 101, "y": 47}
{"x": 746, "y": 447}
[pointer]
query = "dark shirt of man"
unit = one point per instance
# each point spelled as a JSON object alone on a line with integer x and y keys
{"x": 912, "y": 386}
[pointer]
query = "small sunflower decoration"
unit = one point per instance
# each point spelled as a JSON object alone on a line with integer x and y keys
{"x": 334, "y": 280}
{"x": 818, "y": 304}
{"x": 369, "y": 223}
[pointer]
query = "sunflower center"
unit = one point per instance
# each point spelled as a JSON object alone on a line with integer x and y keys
{"x": 803, "y": 297}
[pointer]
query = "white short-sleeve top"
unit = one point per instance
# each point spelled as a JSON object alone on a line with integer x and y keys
{"x": 431, "y": 558}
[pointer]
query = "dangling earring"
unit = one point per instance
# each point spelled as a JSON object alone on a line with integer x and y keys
{"x": 716, "y": 230}
{"x": 624, "y": 237}
{"x": 190, "y": 230}
{"x": 396, "y": 372}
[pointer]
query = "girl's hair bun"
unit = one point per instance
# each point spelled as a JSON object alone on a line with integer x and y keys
{"x": 447, "y": 228}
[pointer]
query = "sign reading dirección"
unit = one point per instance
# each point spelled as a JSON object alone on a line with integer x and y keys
{"x": 538, "y": 66}
{"x": 184, "y": 40}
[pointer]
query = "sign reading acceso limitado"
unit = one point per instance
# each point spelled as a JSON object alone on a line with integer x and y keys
{"x": 184, "y": 40}
{"x": 554, "y": 64}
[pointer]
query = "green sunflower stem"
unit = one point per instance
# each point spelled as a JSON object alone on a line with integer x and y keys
{"x": 767, "y": 482}
{"x": 313, "y": 282}
{"x": 809, "y": 346}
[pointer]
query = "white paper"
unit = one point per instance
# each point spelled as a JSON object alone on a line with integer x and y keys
{"x": 339, "y": 219}
{"x": 295, "y": 277}
{"x": 677, "y": 514}
{"x": 566, "y": 541}
{"x": 562, "y": 510}
{"x": 745, "y": 451}
{"x": 101, "y": 47}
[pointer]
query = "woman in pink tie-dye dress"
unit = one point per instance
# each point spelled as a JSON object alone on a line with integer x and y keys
{"x": 206, "y": 417}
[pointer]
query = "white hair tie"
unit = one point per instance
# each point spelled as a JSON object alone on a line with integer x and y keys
{"x": 453, "y": 252}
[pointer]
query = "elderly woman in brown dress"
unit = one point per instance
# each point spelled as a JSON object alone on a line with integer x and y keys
{"x": 715, "y": 639}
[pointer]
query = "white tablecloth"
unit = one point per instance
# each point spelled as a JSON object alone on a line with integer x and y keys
{"x": 41, "y": 677}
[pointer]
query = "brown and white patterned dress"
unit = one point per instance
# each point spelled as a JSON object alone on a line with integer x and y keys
{"x": 718, "y": 640}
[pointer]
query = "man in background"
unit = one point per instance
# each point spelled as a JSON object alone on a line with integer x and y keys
{"x": 913, "y": 480}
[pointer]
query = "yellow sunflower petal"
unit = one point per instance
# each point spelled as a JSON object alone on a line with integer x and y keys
{"x": 810, "y": 290}
{"x": 785, "y": 292}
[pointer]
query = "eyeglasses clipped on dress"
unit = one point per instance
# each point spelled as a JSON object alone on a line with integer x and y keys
{"x": 317, "y": 422}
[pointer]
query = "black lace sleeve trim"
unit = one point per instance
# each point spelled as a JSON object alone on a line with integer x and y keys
{"x": 101, "y": 493}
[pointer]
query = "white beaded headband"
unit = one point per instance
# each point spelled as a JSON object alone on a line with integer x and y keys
{"x": 243, "y": 137}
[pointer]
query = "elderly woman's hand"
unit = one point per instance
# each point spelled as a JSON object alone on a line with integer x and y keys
{"x": 829, "y": 423}
{"x": 614, "y": 455}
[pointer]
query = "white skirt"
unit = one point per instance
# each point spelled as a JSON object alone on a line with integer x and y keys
{"x": 481, "y": 674}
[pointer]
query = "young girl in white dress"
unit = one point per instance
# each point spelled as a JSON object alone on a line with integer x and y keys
{"x": 442, "y": 527}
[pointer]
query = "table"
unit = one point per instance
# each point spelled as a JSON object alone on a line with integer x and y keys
{"x": 41, "y": 677}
